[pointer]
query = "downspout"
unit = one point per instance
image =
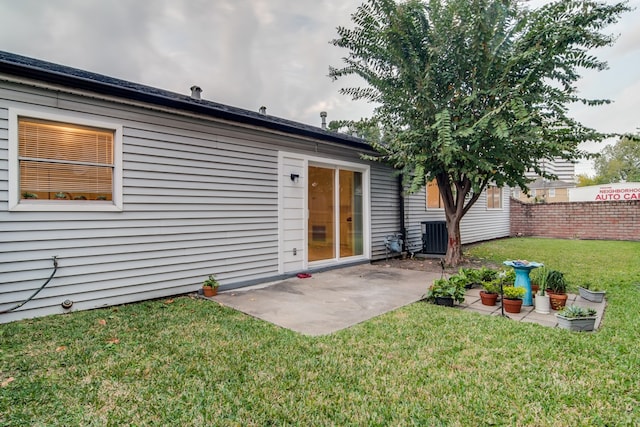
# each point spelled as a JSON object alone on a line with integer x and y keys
{"x": 403, "y": 229}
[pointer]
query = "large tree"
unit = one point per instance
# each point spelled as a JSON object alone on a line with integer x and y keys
{"x": 619, "y": 162}
{"x": 473, "y": 92}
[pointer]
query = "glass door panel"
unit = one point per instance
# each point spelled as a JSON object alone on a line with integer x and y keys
{"x": 321, "y": 214}
{"x": 350, "y": 213}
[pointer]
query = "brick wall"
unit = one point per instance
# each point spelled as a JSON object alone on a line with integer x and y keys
{"x": 577, "y": 220}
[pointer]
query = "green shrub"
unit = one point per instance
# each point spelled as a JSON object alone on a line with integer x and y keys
{"x": 513, "y": 292}
{"x": 491, "y": 287}
{"x": 452, "y": 287}
{"x": 556, "y": 282}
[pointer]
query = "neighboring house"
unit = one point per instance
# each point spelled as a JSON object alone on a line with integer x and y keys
{"x": 544, "y": 191}
{"x": 142, "y": 193}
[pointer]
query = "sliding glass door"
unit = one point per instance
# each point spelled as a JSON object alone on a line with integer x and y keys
{"x": 335, "y": 225}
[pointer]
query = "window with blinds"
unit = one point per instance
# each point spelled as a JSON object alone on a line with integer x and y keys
{"x": 494, "y": 197}
{"x": 434, "y": 200}
{"x": 61, "y": 161}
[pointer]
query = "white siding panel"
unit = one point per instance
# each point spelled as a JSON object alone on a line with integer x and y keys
{"x": 293, "y": 213}
{"x": 18, "y": 260}
{"x": 478, "y": 224}
{"x": 53, "y": 305}
{"x": 4, "y": 152}
{"x": 481, "y": 223}
{"x": 385, "y": 207}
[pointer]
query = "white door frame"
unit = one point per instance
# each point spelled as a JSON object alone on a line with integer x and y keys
{"x": 289, "y": 205}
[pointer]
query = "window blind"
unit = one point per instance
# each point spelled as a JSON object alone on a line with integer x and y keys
{"x": 434, "y": 200}
{"x": 494, "y": 197}
{"x": 64, "y": 158}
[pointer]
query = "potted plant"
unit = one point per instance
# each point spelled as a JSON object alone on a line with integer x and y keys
{"x": 470, "y": 276}
{"x": 557, "y": 289}
{"x": 477, "y": 276}
{"x": 499, "y": 279}
{"x": 467, "y": 275}
{"x": 28, "y": 195}
{"x": 60, "y": 195}
{"x": 591, "y": 292}
{"x": 541, "y": 301}
{"x": 446, "y": 291}
{"x": 489, "y": 295}
{"x": 538, "y": 279}
{"x": 210, "y": 286}
{"x": 577, "y": 318}
{"x": 506, "y": 277}
{"x": 487, "y": 274}
{"x": 512, "y": 301}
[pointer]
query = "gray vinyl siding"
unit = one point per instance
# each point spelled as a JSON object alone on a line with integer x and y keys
{"x": 385, "y": 208}
{"x": 199, "y": 197}
{"x": 477, "y": 225}
{"x": 415, "y": 213}
{"x": 4, "y": 147}
{"x": 482, "y": 224}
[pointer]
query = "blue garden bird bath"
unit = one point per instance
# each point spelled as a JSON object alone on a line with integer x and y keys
{"x": 522, "y": 269}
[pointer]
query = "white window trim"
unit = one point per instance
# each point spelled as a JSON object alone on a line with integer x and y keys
{"x": 486, "y": 200}
{"x": 15, "y": 204}
{"x": 310, "y": 160}
{"x": 337, "y": 165}
{"x": 426, "y": 200}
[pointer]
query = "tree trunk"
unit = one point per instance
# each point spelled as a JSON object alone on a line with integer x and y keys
{"x": 454, "y": 248}
{"x": 455, "y": 207}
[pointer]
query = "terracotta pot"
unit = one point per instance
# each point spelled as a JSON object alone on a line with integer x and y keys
{"x": 209, "y": 291}
{"x": 487, "y": 298}
{"x": 558, "y": 301}
{"x": 534, "y": 289}
{"x": 512, "y": 305}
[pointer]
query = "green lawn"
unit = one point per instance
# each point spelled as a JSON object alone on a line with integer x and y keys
{"x": 191, "y": 362}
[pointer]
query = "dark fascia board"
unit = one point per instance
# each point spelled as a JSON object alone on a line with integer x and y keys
{"x": 47, "y": 72}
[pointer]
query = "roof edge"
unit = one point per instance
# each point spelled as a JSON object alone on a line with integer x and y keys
{"x": 75, "y": 78}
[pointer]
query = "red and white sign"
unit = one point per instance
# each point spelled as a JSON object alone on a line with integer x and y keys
{"x": 606, "y": 192}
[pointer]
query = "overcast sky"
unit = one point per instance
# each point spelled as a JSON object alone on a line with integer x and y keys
{"x": 249, "y": 53}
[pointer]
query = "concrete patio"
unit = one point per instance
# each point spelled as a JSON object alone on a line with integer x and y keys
{"x": 330, "y": 300}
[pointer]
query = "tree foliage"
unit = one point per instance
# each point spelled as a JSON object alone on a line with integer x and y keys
{"x": 619, "y": 162}
{"x": 586, "y": 180}
{"x": 363, "y": 128}
{"x": 473, "y": 92}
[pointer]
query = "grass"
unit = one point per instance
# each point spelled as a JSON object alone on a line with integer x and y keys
{"x": 188, "y": 361}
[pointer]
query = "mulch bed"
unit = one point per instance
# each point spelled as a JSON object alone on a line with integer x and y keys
{"x": 432, "y": 264}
